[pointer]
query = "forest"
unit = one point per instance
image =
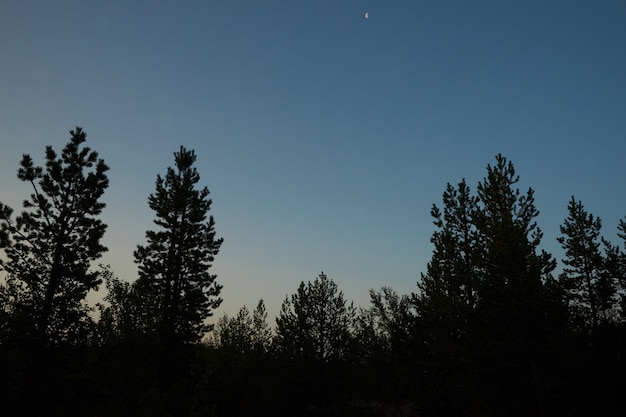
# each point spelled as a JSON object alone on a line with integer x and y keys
{"x": 496, "y": 326}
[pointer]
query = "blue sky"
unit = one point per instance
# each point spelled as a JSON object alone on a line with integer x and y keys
{"x": 323, "y": 136}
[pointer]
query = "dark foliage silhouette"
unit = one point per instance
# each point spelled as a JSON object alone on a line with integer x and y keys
{"x": 175, "y": 263}
{"x": 50, "y": 247}
{"x": 489, "y": 330}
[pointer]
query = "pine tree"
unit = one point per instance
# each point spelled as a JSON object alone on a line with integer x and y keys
{"x": 261, "y": 332}
{"x": 314, "y": 333}
{"x": 615, "y": 268}
{"x": 316, "y": 323}
{"x": 174, "y": 265}
{"x": 518, "y": 313}
{"x": 49, "y": 249}
{"x": 591, "y": 289}
{"x": 449, "y": 289}
{"x": 245, "y": 332}
{"x": 51, "y": 244}
{"x": 446, "y": 302}
{"x": 384, "y": 353}
{"x": 488, "y": 304}
{"x": 234, "y": 333}
{"x": 127, "y": 310}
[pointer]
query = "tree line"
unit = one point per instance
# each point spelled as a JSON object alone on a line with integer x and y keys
{"x": 494, "y": 327}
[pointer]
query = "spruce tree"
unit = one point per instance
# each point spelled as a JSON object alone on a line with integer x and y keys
{"x": 174, "y": 265}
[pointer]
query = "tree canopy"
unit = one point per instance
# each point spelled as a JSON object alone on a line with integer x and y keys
{"x": 489, "y": 329}
{"x": 316, "y": 322}
{"x": 51, "y": 244}
{"x": 175, "y": 263}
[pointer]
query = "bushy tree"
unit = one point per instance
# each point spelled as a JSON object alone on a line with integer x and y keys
{"x": 384, "y": 351}
{"x": 243, "y": 373}
{"x": 127, "y": 348}
{"x": 314, "y": 334}
{"x": 126, "y": 311}
{"x": 316, "y": 322}
{"x": 244, "y": 333}
{"x": 386, "y": 325}
{"x": 174, "y": 265}
{"x": 51, "y": 244}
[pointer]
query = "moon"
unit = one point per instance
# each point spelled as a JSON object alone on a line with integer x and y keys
{"x": 366, "y": 15}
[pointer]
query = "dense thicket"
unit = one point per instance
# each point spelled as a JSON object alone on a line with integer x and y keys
{"x": 495, "y": 327}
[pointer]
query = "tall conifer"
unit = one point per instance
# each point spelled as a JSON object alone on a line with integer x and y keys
{"x": 51, "y": 244}
{"x": 175, "y": 263}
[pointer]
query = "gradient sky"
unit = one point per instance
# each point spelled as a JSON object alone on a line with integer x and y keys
{"x": 323, "y": 136}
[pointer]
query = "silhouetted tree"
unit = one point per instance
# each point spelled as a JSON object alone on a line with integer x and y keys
{"x": 590, "y": 287}
{"x": 127, "y": 348}
{"x": 446, "y": 302}
{"x": 243, "y": 364}
{"x": 519, "y": 305}
{"x": 384, "y": 349}
{"x": 594, "y": 284}
{"x": 50, "y": 245}
{"x": 175, "y": 263}
{"x": 49, "y": 249}
{"x": 174, "y": 278}
{"x": 453, "y": 273}
{"x": 488, "y": 305}
{"x": 615, "y": 265}
{"x": 387, "y": 323}
{"x": 244, "y": 332}
{"x": 261, "y": 331}
{"x": 314, "y": 333}
{"x": 127, "y": 310}
{"x": 316, "y": 322}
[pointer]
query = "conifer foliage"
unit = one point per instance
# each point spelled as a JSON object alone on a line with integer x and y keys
{"x": 316, "y": 322}
{"x": 174, "y": 264}
{"x": 590, "y": 287}
{"x": 245, "y": 332}
{"x": 487, "y": 305}
{"x": 489, "y": 331}
{"x": 52, "y": 243}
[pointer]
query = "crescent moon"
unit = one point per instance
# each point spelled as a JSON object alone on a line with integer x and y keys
{"x": 366, "y": 15}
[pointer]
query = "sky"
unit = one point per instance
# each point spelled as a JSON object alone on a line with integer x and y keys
{"x": 324, "y": 136}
